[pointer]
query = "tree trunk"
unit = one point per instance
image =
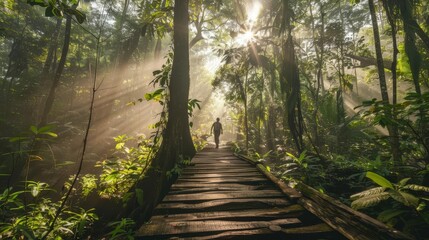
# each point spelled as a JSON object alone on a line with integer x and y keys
{"x": 51, "y": 95}
{"x": 246, "y": 110}
{"x": 177, "y": 142}
{"x": 382, "y": 78}
{"x": 395, "y": 135}
{"x": 291, "y": 88}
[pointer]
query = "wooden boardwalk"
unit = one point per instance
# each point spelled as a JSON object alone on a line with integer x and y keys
{"x": 224, "y": 197}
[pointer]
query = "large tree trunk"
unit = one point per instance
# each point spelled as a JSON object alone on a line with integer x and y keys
{"x": 292, "y": 90}
{"x": 51, "y": 95}
{"x": 383, "y": 86}
{"x": 177, "y": 142}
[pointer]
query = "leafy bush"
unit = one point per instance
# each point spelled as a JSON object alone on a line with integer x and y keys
{"x": 406, "y": 204}
{"x": 126, "y": 167}
{"x": 26, "y": 214}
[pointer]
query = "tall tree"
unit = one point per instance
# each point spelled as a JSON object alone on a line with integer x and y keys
{"x": 177, "y": 142}
{"x": 382, "y": 79}
{"x": 289, "y": 79}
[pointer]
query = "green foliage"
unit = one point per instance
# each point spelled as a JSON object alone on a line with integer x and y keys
{"x": 178, "y": 167}
{"x": 304, "y": 168}
{"x": 28, "y": 214}
{"x": 88, "y": 184}
{"x": 199, "y": 139}
{"x": 122, "y": 229}
{"x": 35, "y": 134}
{"x": 128, "y": 165}
{"x": 410, "y": 117}
{"x": 58, "y": 8}
{"x": 408, "y": 209}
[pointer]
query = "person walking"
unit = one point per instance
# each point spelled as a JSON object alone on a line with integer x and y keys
{"x": 217, "y": 127}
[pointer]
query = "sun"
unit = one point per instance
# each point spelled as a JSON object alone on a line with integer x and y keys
{"x": 244, "y": 38}
{"x": 253, "y": 10}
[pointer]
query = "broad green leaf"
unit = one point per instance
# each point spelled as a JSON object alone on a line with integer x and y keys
{"x": 379, "y": 180}
{"x": 404, "y": 181}
{"x": 119, "y": 145}
{"x": 34, "y": 129}
{"x": 410, "y": 200}
{"x": 386, "y": 215}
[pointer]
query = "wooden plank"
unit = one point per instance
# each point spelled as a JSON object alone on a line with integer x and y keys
{"x": 254, "y": 234}
{"x": 254, "y": 214}
{"x": 176, "y": 228}
{"x": 221, "y": 205}
{"x": 320, "y": 231}
{"x": 313, "y": 229}
{"x": 213, "y": 195}
{"x": 221, "y": 184}
{"x": 214, "y": 175}
{"x": 217, "y": 169}
{"x": 248, "y": 180}
{"x": 218, "y": 188}
{"x": 220, "y": 165}
{"x": 226, "y": 170}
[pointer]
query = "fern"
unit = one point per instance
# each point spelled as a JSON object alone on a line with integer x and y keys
{"x": 370, "y": 200}
{"x": 367, "y": 193}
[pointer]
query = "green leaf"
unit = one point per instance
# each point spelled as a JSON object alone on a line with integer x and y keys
{"x": 404, "y": 181}
{"x": 386, "y": 215}
{"x": 119, "y": 145}
{"x": 410, "y": 200}
{"x": 57, "y": 12}
{"x": 379, "y": 180}
{"x": 37, "y": 3}
{"x": 49, "y": 12}
{"x": 80, "y": 17}
{"x": 52, "y": 134}
{"x": 34, "y": 129}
